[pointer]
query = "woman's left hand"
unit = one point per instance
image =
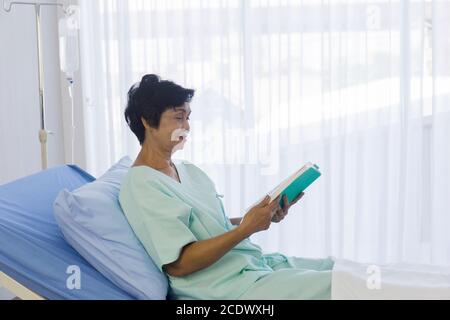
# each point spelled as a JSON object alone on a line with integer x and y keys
{"x": 282, "y": 212}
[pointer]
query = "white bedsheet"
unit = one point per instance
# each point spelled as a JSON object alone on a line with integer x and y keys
{"x": 351, "y": 280}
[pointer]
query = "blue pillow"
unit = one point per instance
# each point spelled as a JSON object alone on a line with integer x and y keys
{"x": 93, "y": 222}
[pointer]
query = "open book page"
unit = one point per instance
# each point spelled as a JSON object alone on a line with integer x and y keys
{"x": 275, "y": 192}
{"x": 285, "y": 183}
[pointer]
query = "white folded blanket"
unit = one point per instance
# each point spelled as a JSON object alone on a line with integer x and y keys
{"x": 351, "y": 280}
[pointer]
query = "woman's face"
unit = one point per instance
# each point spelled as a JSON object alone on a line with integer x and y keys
{"x": 173, "y": 128}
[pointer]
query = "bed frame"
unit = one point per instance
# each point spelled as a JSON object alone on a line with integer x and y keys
{"x": 18, "y": 289}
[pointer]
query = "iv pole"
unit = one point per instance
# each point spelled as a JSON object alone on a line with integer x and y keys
{"x": 43, "y": 133}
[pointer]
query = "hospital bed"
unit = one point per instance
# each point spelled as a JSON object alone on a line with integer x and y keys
{"x": 35, "y": 259}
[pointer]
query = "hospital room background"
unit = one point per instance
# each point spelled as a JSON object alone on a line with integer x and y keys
{"x": 359, "y": 87}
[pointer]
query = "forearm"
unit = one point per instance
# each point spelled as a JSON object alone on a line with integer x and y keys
{"x": 201, "y": 254}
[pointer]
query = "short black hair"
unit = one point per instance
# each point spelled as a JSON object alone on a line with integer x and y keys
{"x": 149, "y": 98}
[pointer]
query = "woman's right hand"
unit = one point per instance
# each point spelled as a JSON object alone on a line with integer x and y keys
{"x": 259, "y": 217}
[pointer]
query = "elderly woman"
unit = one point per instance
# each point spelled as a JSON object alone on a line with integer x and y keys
{"x": 175, "y": 211}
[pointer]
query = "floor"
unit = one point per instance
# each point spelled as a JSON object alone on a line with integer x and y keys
{"x": 5, "y": 294}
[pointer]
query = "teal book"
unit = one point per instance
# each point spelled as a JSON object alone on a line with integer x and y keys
{"x": 296, "y": 183}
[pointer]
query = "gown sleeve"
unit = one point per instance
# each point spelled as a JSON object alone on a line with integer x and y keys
{"x": 160, "y": 221}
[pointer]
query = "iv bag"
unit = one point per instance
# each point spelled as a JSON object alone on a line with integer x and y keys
{"x": 68, "y": 41}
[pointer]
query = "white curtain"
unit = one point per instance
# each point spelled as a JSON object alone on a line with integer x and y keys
{"x": 361, "y": 88}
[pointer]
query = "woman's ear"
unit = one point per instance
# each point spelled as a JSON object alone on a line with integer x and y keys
{"x": 145, "y": 124}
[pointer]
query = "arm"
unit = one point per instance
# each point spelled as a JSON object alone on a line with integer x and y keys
{"x": 201, "y": 254}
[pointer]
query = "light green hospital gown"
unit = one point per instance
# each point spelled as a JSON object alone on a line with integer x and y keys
{"x": 166, "y": 215}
